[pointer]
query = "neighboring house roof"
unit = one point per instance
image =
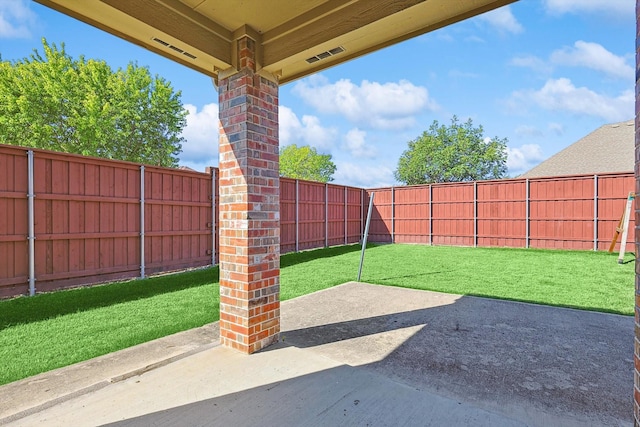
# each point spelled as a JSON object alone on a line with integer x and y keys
{"x": 610, "y": 148}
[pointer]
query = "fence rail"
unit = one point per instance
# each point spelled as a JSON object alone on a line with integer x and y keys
{"x": 570, "y": 212}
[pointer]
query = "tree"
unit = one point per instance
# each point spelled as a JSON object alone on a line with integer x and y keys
{"x": 82, "y": 106}
{"x": 453, "y": 153}
{"x": 306, "y": 163}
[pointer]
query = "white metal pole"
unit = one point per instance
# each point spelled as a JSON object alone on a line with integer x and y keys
{"x": 326, "y": 215}
{"x": 142, "y": 262}
{"x": 366, "y": 234}
{"x": 430, "y": 214}
{"x": 393, "y": 215}
{"x": 527, "y": 219}
{"x": 595, "y": 212}
{"x": 31, "y": 218}
{"x": 475, "y": 214}
{"x": 346, "y": 224}
{"x": 297, "y": 215}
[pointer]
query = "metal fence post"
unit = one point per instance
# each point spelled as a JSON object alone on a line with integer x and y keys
{"x": 393, "y": 215}
{"x": 527, "y": 219}
{"x": 361, "y": 213}
{"x": 31, "y": 226}
{"x": 346, "y": 212}
{"x": 326, "y": 215}
{"x": 142, "y": 260}
{"x": 595, "y": 212}
{"x": 475, "y": 214}
{"x": 297, "y": 215}
{"x": 430, "y": 214}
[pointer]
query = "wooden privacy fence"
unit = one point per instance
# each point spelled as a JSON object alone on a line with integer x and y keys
{"x": 94, "y": 220}
{"x": 570, "y": 212}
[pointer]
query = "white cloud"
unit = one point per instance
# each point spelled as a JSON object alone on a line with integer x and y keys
{"x": 363, "y": 176}
{"x": 556, "y": 128}
{"x": 201, "y": 133}
{"x": 561, "y": 95}
{"x": 533, "y": 62}
{"x": 616, "y": 7}
{"x": 307, "y": 131}
{"x": 372, "y": 104}
{"x": 528, "y": 131}
{"x": 595, "y": 57}
{"x": 503, "y": 20}
{"x": 523, "y": 158}
{"x": 457, "y": 74}
{"x": 16, "y": 19}
{"x": 355, "y": 143}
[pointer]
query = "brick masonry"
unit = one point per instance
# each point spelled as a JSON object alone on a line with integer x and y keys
{"x": 636, "y": 389}
{"x": 249, "y": 206}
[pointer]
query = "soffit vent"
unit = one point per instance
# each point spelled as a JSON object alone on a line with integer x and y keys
{"x": 324, "y": 55}
{"x": 174, "y": 48}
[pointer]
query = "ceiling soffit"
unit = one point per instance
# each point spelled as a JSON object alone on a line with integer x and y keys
{"x": 295, "y": 37}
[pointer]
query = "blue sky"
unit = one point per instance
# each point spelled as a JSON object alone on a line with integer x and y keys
{"x": 542, "y": 73}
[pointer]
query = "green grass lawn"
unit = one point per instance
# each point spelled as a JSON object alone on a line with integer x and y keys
{"x": 57, "y": 329}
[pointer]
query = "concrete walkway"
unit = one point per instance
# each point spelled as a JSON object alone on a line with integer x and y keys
{"x": 362, "y": 355}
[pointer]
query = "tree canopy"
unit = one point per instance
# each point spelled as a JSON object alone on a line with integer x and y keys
{"x": 306, "y": 163}
{"x": 82, "y": 106}
{"x": 454, "y": 153}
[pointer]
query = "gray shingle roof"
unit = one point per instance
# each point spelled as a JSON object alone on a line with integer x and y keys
{"x": 609, "y": 148}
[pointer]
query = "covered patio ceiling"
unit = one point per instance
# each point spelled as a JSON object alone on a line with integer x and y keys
{"x": 295, "y": 38}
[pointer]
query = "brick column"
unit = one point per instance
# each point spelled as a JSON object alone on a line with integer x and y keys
{"x": 249, "y": 206}
{"x": 636, "y": 381}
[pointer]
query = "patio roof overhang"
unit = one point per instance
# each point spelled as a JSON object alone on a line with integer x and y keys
{"x": 295, "y": 38}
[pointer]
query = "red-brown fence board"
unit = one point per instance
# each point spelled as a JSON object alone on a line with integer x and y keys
{"x": 561, "y": 213}
{"x": 612, "y": 193}
{"x": 86, "y": 220}
{"x": 178, "y": 219}
{"x": 287, "y": 215}
{"x": 501, "y": 213}
{"x": 380, "y": 225}
{"x": 452, "y": 208}
{"x": 412, "y": 207}
{"x": 311, "y": 215}
{"x": 336, "y": 215}
{"x": 14, "y": 261}
{"x": 355, "y": 225}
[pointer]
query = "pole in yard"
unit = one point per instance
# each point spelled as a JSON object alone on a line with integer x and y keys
{"x": 297, "y": 215}
{"x": 595, "y": 212}
{"x": 31, "y": 218}
{"x": 366, "y": 234}
{"x": 142, "y": 264}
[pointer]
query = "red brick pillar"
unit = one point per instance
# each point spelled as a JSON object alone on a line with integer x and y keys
{"x": 636, "y": 381}
{"x": 249, "y": 206}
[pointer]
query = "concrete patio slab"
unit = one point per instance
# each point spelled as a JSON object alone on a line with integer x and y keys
{"x": 360, "y": 354}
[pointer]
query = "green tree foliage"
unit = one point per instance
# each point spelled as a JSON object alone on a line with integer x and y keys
{"x": 83, "y": 106}
{"x": 306, "y": 163}
{"x": 452, "y": 154}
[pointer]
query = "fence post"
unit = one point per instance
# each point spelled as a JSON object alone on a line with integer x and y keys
{"x": 326, "y": 215}
{"x": 297, "y": 215}
{"x": 31, "y": 226}
{"x": 475, "y": 214}
{"x": 527, "y": 219}
{"x": 142, "y": 261}
{"x": 595, "y": 212}
{"x": 393, "y": 214}
{"x": 431, "y": 214}
{"x": 361, "y": 213}
{"x": 346, "y": 212}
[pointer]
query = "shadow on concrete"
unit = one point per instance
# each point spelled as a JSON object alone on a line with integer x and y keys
{"x": 423, "y": 358}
